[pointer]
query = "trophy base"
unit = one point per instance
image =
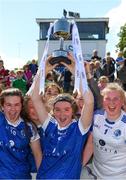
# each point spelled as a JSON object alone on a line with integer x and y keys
{"x": 59, "y": 56}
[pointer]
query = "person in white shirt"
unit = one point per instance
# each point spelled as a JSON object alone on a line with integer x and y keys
{"x": 109, "y": 135}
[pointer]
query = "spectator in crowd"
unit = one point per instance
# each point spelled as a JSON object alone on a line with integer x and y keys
{"x": 16, "y": 137}
{"x": 3, "y": 74}
{"x": 119, "y": 60}
{"x": 102, "y": 82}
{"x": 121, "y": 74}
{"x": 66, "y": 75}
{"x": 1, "y": 87}
{"x": 33, "y": 67}
{"x": 92, "y": 83}
{"x": 27, "y": 75}
{"x": 97, "y": 70}
{"x": 49, "y": 77}
{"x": 64, "y": 137}
{"x": 108, "y": 55}
{"x": 109, "y": 69}
{"x": 51, "y": 90}
{"x": 12, "y": 77}
{"x": 95, "y": 56}
{"x": 92, "y": 68}
{"x": 19, "y": 82}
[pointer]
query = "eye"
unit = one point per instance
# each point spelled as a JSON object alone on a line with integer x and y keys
{"x": 67, "y": 109}
{"x": 8, "y": 105}
{"x": 57, "y": 110}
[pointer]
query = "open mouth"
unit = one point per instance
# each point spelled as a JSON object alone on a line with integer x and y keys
{"x": 111, "y": 109}
{"x": 63, "y": 119}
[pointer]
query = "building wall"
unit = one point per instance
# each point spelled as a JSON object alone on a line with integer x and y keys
{"x": 87, "y": 47}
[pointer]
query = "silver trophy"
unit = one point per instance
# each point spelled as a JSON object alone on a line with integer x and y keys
{"x": 61, "y": 31}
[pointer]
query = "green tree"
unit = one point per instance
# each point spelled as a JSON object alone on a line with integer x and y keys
{"x": 121, "y": 46}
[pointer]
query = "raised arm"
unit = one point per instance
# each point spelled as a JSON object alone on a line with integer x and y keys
{"x": 93, "y": 86}
{"x": 87, "y": 110}
{"x": 36, "y": 97}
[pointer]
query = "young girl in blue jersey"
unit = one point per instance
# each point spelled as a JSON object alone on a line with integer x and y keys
{"x": 63, "y": 136}
{"x": 16, "y": 138}
{"x": 109, "y": 135}
{"x": 29, "y": 112}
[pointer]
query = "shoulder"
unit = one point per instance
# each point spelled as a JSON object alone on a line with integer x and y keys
{"x": 49, "y": 122}
{"x": 99, "y": 115}
{"x": 123, "y": 119}
{"x": 33, "y": 133}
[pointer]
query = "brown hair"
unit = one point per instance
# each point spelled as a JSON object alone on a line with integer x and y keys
{"x": 10, "y": 92}
{"x": 103, "y": 79}
{"x": 52, "y": 84}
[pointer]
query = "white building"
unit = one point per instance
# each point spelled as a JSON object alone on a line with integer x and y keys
{"x": 92, "y": 33}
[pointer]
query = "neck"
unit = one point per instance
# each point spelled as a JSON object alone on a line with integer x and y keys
{"x": 113, "y": 118}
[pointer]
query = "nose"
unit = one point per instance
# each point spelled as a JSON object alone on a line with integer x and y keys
{"x": 13, "y": 108}
{"x": 62, "y": 114}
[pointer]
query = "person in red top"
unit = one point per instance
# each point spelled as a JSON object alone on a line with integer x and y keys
{"x": 3, "y": 73}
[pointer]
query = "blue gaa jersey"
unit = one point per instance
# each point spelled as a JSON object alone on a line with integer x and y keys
{"x": 109, "y": 138}
{"x": 62, "y": 150}
{"x": 14, "y": 149}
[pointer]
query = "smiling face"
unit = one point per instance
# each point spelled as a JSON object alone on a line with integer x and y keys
{"x": 63, "y": 113}
{"x": 51, "y": 91}
{"x": 12, "y": 108}
{"x": 112, "y": 103}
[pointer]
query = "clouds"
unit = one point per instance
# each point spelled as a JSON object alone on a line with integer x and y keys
{"x": 117, "y": 18}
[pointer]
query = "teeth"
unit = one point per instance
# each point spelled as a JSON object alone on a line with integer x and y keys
{"x": 111, "y": 109}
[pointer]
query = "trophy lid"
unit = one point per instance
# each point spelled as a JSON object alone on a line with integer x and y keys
{"x": 62, "y": 28}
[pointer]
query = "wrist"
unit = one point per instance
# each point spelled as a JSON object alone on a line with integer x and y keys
{"x": 89, "y": 75}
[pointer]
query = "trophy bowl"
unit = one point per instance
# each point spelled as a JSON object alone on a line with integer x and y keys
{"x": 62, "y": 28}
{"x": 62, "y": 32}
{"x": 59, "y": 56}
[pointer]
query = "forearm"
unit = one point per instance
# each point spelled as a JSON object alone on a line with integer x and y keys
{"x": 88, "y": 150}
{"x": 37, "y": 100}
{"x": 96, "y": 92}
{"x": 87, "y": 154}
{"x": 87, "y": 110}
{"x": 37, "y": 152}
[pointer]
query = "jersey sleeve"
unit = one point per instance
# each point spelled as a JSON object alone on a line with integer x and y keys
{"x": 34, "y": 134}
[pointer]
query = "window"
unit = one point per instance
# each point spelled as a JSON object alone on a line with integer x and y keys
{"x": 87, "y": 30}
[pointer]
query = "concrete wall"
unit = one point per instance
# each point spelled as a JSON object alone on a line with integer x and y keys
{"x": 87, "y": 47}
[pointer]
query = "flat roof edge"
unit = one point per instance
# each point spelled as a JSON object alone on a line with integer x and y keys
{"x": 104, "y": 19}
